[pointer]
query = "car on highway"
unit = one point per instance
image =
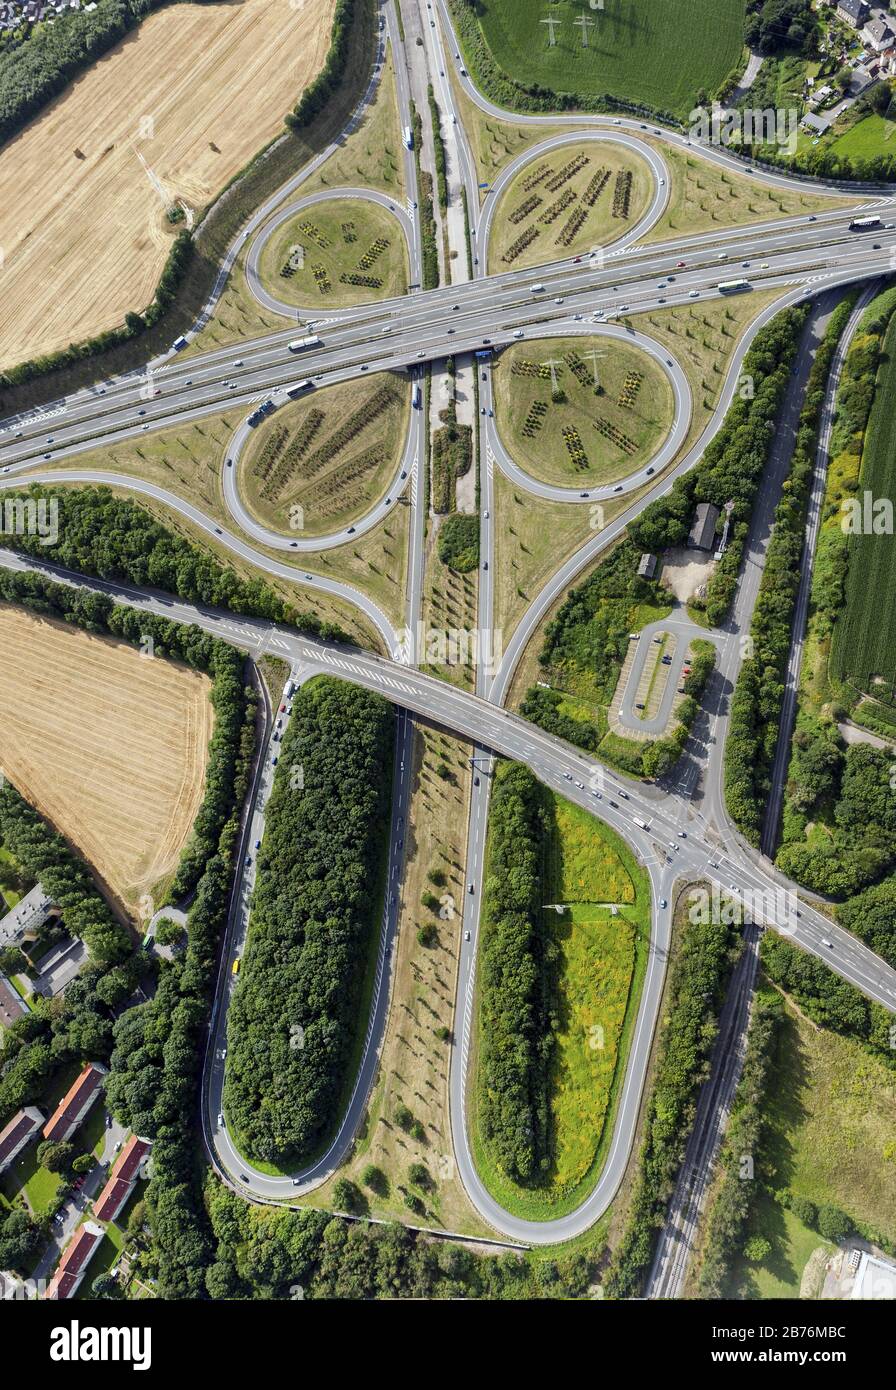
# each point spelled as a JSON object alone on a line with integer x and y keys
{"x": 680, "y": 265}
{"x": 235, "y": 968}
{"x": 466, "y": 936}
{"x": 693, "y": 294}
{"x": 220, "y": 1119}
{"x": 829, "y": 944}
{"x": 470, "y": 888}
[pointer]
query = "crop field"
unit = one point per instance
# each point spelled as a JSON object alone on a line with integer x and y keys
{"x": 322, "y": 460}
{"x": 336, "y": 254}
{"x": 864, "y": 646}
{"x": 659, "y": 52}
{"x": 570, "y": 201}
{"x": 172, "y": 113}
{"x": 106, "y": 743}
{"x": 562, "y": 428}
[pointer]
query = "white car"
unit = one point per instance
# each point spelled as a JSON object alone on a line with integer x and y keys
{"x": 518, "y": 333}
{"x": 693, "y": 294}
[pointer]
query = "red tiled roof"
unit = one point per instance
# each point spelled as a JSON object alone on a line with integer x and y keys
{"x": 73, "y": 1102}
{"x": 121, "y": 1179}
{"x": 75, "y": 1258}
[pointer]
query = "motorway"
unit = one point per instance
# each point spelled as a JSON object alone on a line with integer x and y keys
{"x": 674, "y": 836}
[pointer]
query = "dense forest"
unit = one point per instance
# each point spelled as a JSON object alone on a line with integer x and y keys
{"x": 517, "y": 983}
{"x": 287, "y": 1254}
{"x": 315, "y": 913}
{"x": 116, "y": 539}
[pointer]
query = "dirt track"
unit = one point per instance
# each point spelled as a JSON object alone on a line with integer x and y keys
{"x": 174, "y": 111}
{"x": 108, "y": 745}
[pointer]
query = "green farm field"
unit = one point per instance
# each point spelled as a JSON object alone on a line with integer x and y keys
{"x": 864, "y": 646}
{"x": 608, "y": 435}
{"x": 657, "y": 52}
{"x": 330, "y": 456}
{"x": 605, "y": 190}
{"x": 336, "y": 254}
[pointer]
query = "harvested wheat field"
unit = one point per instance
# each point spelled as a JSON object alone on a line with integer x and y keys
{"x": 171, "y": 113}
{"x": 110, "y": 746}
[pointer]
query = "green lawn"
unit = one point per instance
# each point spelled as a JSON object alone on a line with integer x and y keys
{"x": 865, "y": 635}
{"x": 580, "y": 437}
{"x": 331, "y": 455}
{"x": 307, "y": 258}
{"x": 26, "y": 1175}
{"x": 659, "y": 52}
{"x": 582, "y": 211}
{"x": 602, "y": 957}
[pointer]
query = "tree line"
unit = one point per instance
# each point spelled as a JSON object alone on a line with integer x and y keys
{"x": 114, "y": 538}
{"x": 315, "y": 913}
{"x": 156, "y": 1063}
{"x": 698, "y": 979}
{"x": 266, "y": 1254}
{"x": 517, "y": 984}
{"x": 759, "y": 692}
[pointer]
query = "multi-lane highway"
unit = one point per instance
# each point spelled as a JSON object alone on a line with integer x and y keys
{"x": 674, "y": 836}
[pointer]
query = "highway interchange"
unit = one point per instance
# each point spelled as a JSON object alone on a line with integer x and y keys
{"x": 681, "y": 839}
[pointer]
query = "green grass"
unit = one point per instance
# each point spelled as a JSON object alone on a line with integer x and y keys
{"x": 602, "y": 959}
{"x": 600, "y": 225}
{"x": 832, "y": 1116}
{"x": 659, "y": 52}
{"x": 334, "y": 482}
{"x": 37, "y": 1183}
{"x": 865, "y": 635}
{"x": 335, "y": 237}
{"x": 544, "y": 452}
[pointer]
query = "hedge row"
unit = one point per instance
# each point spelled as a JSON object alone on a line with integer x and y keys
{"x": 756, "y": 703}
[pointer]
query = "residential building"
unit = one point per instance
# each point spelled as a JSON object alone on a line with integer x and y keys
{"x": 852, "y": 12}
{"x": 75, "y": 1259}
{"x": 877, "y": 35}
{"x": 12, "y": 1005}
{"x": 703, "y": 531}
{"x": 28, "y": 916}
{"x": 20, "y": 1131}
{"x": 75, "y": 1103}
{"x": 122, "y": 1179}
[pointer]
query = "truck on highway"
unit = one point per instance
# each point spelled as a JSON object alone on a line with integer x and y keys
{"x": 266, "y": 408}
{"x": 864, "y": 224}
{"x": 408, "y": 138}
{"x": 417, "y": 398}
{"x": 644, "y": 824}
{"x": 300, "y": 344}
{"x": 297, "y": 390}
